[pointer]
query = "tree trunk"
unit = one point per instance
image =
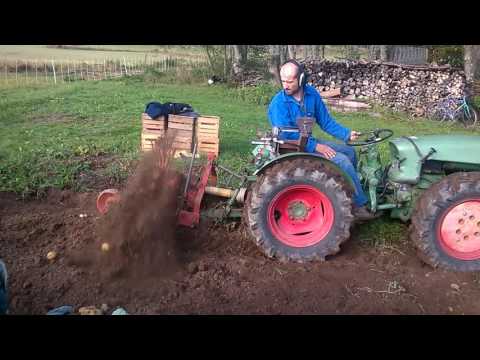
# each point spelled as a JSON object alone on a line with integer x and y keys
{"x": 238, "y": 61}
{"x": 311, "y": 50}
{"x": 372, "y": 52}
{"x": 323, "y": 51}
{"x": 208, "y": 50}
{"x": 244, "y": 53}
{"x": 383, "y": 52}
{"x": 292, "y": 51}
{"x": 274, "y": 62}
{"x": 225, "y": 62}
{"x": 283, "y": 53}
{"x": 471, "y": 59}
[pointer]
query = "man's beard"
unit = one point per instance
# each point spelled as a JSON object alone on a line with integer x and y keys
{"x": 293, "y": 93}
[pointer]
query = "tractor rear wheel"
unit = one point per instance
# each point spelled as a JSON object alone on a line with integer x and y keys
{"x": 299, "y": 210}
{"x": 446, "y": 223}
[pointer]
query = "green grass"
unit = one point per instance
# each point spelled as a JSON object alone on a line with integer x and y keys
{"x": 50, "y": 135}
{"x": 11, "y": 53}
{"x": 58, "y": 136}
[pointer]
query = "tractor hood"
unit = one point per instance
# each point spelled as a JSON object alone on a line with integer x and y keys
{"x": 407, "y": 153}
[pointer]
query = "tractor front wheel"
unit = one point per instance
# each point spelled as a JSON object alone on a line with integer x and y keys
{"x": 446, "y": 223}
{"x": 299, "y": 210}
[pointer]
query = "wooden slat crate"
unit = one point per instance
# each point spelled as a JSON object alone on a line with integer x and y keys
{"x": 208, "y": 144}
{"x": 154, "y": 126}
{"x": 179, "y": 143}
{"x": 182, "y": 143}
{"x": 208, "y": 126}
{"x": 148, "y": 140}
{"x": 183, "y": 128}
{"x": 151, "y": 125}
{"x": 181, "y": 133}
{"x": 207, "y": 134}
{"x": 151, "y": 131}
{"x": 204, "y": 130}
{"x": 179, "y": 122}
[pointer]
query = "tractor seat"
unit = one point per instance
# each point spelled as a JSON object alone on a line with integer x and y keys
{"x": 290, "y": 146}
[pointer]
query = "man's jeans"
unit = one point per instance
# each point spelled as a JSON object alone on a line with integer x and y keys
{"x": 346, "y": 158}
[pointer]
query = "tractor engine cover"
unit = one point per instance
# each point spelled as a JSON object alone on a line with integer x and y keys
{"x": 407, "y": 154}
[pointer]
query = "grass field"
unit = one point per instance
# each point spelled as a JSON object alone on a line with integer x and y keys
{"x": 55, "y": 136}
{"x": 10, "y": 53}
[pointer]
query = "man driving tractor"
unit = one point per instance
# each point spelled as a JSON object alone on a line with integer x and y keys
{"x": 297, "y": 99}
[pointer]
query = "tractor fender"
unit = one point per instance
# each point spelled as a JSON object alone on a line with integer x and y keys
{"x": 317, "y": 157}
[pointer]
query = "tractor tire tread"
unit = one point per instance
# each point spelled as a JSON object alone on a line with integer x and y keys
{"x": 298, "y": 168}
{"x": 429, "y": 209}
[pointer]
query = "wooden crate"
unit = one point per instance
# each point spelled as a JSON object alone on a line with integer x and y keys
{"x": 204, "y": 130}
{"x": 151, "y": 131}
{"x": 208, "y": 144}
{"x": 178, "y": 122}
{"x": 148, "y": 140}
{"x": 182, "y": 143}
{"x": 153, "y": 126}
{"x": 207, "y": 134}
{"x": 183, "y": 129}
{"x": 150, "y": 125}
{"x": 208, "y": 126}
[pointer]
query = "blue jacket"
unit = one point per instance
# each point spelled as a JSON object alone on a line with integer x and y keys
{"x": 284, "y": 110}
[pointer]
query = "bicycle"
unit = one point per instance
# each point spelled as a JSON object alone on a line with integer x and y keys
{"x": 452, "y": 109}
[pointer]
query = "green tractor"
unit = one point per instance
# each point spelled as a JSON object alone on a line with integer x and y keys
{"x": 299, "y": 207}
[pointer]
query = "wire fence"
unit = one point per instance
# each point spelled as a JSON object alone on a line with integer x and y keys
{"x": 55, "y": 71}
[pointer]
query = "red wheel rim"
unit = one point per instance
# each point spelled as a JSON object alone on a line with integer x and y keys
{"x": 300, "y": 216}
{"x": 459, "y": 230}
{"x": 105, "y": 199}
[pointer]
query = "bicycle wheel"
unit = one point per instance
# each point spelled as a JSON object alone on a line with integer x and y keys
{"x": 469, "y": 116}
{"x": 440, "y": 115}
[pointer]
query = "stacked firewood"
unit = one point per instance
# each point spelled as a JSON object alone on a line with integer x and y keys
{"x": 248, "y": 78}
{"x": 411, "y": 88}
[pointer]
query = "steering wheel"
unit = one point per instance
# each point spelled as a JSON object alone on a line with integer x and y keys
{"x": 372, "y": 137}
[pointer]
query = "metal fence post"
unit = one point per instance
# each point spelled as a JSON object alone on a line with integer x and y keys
{"x": 54, "y": 74}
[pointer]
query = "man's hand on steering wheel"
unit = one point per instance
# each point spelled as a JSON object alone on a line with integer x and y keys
{"x": 371, "y": 137}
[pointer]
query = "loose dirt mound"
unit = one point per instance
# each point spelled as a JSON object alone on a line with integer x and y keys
{"x": 140, "y": 229}
{"x": 220, "y": 272}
